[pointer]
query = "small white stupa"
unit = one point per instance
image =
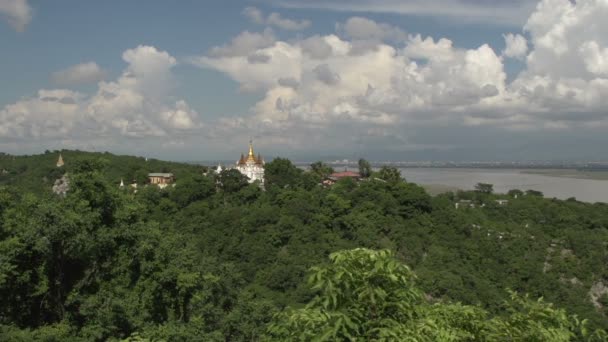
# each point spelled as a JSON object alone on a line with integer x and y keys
{"x": 60, "y": 162}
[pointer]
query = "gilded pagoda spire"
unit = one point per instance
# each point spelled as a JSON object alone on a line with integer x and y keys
{"x": 251, "y": 156}
{"x": 251, "y": 148}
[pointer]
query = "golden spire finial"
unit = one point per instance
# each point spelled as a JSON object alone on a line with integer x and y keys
{"x": 251, "y": 155}
{"x": 251, "y": 148}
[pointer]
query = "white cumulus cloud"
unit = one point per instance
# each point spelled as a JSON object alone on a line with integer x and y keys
{"x": 83, "y": 73}
{"x": 136, "y": 104}
{"x": 516, "y": 46}
{"x": 595, "y": 57}
{"x": 181, "y": 116}
{"x": 397, "y": 82}
{"x": 18, "y": 13}
{"x": 244, "y": 43}
{"x": 275, "y": 19}
{"x": 365, "y": 83}
{"x": 49, "y": 114}
{"x": 322, "y": 79}
{"x": 359, "y": 28}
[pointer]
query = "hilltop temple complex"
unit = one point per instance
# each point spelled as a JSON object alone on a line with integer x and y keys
{"x": 251, "y": 166}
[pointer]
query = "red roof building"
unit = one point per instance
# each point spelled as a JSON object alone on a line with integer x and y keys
{"x": 349, "y": 174}
{"x": 336, "y": 176}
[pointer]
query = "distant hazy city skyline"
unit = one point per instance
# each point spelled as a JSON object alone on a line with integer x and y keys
{"x": 384, "y": 79}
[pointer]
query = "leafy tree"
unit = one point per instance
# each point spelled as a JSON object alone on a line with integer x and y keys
{"x": 363, "y": 295}
{"x": 88, "y": 183}
{"x": 534, "y": 193}
{"x": 140, "y": 177}
{"x": 484, "y": 188}
{"x": 411, "y": 199}
{"x": 250, "y": 193}
{"x": 231, "y": 181}
{"x": 321, "y": 169}
{"x": 282, "y": 173}
{"x": 365, "y": 168}
{"x": 515, "y": 193}
{"x": 192, "y": 189}
{"x": 389, "y": 174}
{"x": 368, "y": 295}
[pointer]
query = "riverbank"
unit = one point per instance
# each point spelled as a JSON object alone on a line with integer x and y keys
{"x": 437, "y": 189}
{"x": 569, "y": 173}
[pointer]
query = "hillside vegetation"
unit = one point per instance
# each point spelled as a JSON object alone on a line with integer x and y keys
{"x": 37, "y": 173}
{"x": 217, "y": 259}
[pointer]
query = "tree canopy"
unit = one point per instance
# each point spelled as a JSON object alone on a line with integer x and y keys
{"x": 217, "y": 259}
{"x": 484, "y": 188}
{"x": 368, "y": 295}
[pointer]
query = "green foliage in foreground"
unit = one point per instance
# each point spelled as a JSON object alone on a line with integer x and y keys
{"x": 366, "y": 295}
{"x": 217, "y": 259}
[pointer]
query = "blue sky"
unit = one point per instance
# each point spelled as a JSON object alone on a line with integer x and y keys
{"x": 64, "y": 33}
{"x": 194, "y": 80}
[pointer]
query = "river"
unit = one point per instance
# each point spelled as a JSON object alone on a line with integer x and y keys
{"x": 587, "y": 190}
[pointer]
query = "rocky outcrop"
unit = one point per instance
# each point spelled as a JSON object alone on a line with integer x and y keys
{"x": 62, "y": 185}
{"x": 596, "y": 292}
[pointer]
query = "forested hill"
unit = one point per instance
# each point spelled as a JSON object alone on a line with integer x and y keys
{"x": 36, "y": 173}
{"x": 217, "y": 259}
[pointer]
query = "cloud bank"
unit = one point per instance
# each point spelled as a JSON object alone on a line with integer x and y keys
{"x": 137, "y": 104}
{"x": 363, "y": 76}
{"x": 366, "y": 84}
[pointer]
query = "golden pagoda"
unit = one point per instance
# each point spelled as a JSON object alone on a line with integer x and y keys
{"x": 251, "y": 166}
{"x": 251, "y": 158}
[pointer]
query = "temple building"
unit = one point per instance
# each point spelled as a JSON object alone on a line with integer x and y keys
{"x": 251, "y": 166}
{"x": 336, "y": 176}
{"x": 162, "y": 180}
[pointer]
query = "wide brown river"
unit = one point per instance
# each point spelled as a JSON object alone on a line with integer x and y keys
{"x": 587, "y": 190}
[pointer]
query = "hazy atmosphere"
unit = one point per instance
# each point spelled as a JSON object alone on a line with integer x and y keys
{"x": 383, "y": 79}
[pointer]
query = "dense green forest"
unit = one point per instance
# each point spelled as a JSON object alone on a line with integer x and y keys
{"x": 36, "y": 174}
{"x": 217, "y": 259}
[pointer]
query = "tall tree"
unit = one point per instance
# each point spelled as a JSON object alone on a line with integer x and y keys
{"x": 484, "y": 188}
{"x": 191, "y": 189}
{"x": 389, "y": 174}
{"x": 365, "y": 168}
{"x": 282, "y": 173}
{"x": 321, "y": 169}
{"x": 231, "y": 181}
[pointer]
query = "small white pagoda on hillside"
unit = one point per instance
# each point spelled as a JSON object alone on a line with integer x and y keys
{"x": 251, "y": 166}
{"x": 60, "y": 162}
